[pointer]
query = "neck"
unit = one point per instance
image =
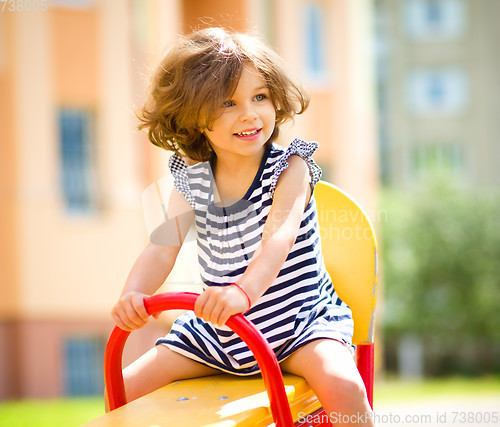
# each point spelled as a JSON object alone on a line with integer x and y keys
{"x": 234, "y": 177}
{"x": 238, "y": 165}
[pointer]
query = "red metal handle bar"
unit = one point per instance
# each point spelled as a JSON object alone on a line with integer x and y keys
{"x": 366, "y": 356}
{"x": 266, "y": 359}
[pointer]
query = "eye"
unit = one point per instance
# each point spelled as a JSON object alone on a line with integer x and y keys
{"x": 228, "y": 104}
{"x": 260, "y": 97}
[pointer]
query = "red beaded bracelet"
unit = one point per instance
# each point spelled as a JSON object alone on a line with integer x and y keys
{"x": 244, "y": 293}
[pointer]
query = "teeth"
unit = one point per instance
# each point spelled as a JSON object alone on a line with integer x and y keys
{"x": 253, "y": 132}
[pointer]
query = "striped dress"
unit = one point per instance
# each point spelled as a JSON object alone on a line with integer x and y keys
{"x": 301, "y": 304}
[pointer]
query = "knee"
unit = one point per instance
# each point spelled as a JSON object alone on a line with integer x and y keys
{"x": 355, "y": 387}
{"x": 346, "y": 388}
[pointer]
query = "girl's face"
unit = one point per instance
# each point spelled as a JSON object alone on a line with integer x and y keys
{"x": 246, "y": 120}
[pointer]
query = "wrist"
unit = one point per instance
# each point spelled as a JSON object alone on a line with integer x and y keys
{"x": 245, "y": 294}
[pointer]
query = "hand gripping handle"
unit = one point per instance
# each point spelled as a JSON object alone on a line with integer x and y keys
{"x": 266, "y": 359}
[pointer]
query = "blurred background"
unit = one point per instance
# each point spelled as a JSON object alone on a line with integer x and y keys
{"x": 405, "y": 106}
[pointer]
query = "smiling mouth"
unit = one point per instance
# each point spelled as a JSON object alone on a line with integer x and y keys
{"x": 248, "y": 133}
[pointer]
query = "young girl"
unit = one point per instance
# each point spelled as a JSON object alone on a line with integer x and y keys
{"x": 217, "y": 102}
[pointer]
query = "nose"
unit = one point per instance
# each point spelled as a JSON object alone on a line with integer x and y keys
{"x": 248, "y": 112}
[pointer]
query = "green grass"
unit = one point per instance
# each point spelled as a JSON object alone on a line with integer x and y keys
{"x": 50, "y": 413}
{"x": 393, "y": 389}
{"x": 75, "y": 412}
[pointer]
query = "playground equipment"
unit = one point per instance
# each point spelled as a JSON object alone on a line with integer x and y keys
{"x": 350, "y": 252}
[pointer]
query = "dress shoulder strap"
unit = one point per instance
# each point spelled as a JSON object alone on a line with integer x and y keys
{"x": 303, "y": 149}
{"x": 179, "y": 169}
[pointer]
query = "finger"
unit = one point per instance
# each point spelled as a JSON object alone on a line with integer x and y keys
{"x": 132, "y": 317}
{"x": 199, "y": 304}
{"x": 118, "y": 318}
{"x": 223, "y": 317}
{"x": 216, "y": 313}
{"x": 140, "y": 308}
{"x": 121, "y": 320}
{"x": 118, "y": 321}
{"x": 207, "y": 309}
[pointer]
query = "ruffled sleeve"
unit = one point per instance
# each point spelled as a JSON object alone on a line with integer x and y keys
{"x": 179, "y": 169}
{"x": 303, "y": 149}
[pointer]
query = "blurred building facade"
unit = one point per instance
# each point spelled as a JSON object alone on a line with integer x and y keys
{"x": 73, "y": 166}
{"x": 436, "y": 73}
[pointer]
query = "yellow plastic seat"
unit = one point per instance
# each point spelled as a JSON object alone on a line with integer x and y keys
{"x": 350, "y": 252}
{"x": 219, "y": 400}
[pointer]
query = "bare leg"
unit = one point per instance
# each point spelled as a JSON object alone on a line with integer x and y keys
{"x": 158, "y": 367}
{"x": 329, "y": 368}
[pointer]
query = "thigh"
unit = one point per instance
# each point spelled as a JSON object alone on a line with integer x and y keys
{"x": 319, "y": 358}
{"x": 158, "y": 367}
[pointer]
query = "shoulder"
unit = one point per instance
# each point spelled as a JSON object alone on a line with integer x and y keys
{"x": 299, "y": 154}
{"x": 183, "y": 169}
{"x": 191, "y": 181}
{"x": 297, "y": 170}
{"x": 294, "y": 179}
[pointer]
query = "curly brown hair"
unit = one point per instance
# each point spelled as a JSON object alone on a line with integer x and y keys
{"x": 197, "y": 76}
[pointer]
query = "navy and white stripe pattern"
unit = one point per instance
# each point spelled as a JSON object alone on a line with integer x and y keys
{"x": 300, "y": 306}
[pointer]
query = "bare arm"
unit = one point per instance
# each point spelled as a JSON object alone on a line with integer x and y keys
{"x": 152, "y": 268}
{"x": 291, "y": 196}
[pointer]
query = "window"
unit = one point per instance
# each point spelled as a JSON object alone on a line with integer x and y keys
{"x": 83, "y": 365}
{"x": 315, "y": 36}
{"x": 433, "y": 13}
{"x": 77, "y": 168}
{"x": 441, "y": 91}
{"x": 438, "y": 158}
{"x": 434, "y": 19}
